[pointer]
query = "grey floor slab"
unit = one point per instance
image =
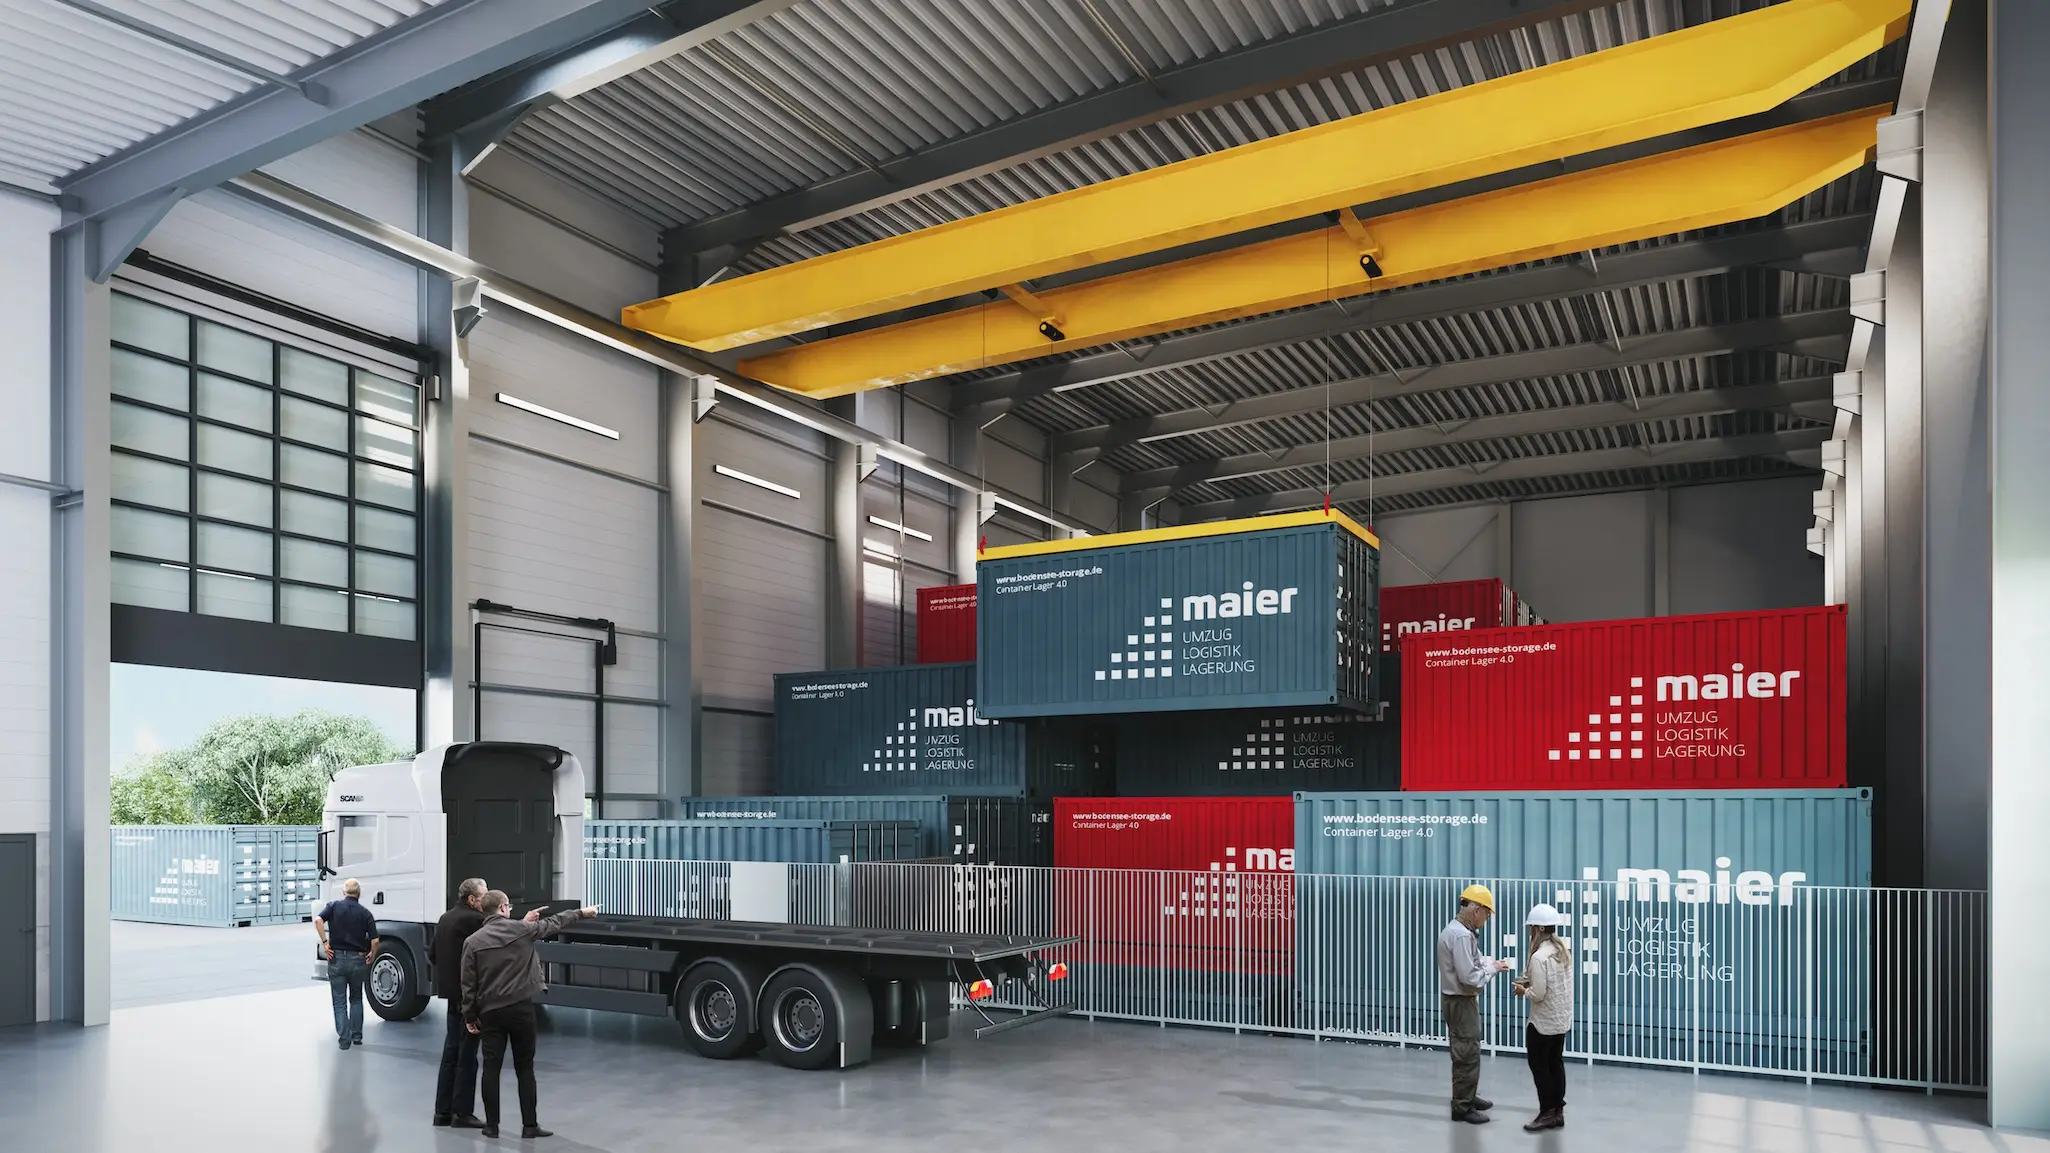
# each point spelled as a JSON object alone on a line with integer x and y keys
{"x": 157, "y": 964}
{"x": 261, "y": 1071}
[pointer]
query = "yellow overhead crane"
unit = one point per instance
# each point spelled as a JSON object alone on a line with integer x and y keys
{"x": 1717, "y": 71}
{"x": 1711, "y": 184}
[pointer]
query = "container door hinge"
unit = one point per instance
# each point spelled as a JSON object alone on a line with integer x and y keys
{"x": 1370, "y": 252}
{"x": 1049, "y": 320}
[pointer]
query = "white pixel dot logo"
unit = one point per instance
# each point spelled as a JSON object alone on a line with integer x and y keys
{"x": 1136, "y": 660}
{"x": 1608, "y": 743}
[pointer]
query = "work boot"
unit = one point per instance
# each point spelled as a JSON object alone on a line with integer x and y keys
{"x": 533, "y": 1131}
{"x": 1483, "y": 1104}
{"x": 1471, "y": 1117}
{"x": 444, "y": 1120}
{"x": 1539, "y": 1123}
{"x": 468, "y": 1121}
{"x": 490, "y": 1130}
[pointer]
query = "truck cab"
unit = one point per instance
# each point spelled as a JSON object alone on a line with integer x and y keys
{"x": 412, "y": 830}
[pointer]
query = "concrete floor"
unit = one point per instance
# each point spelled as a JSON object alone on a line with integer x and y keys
{"x": 158, "y": 964}
{"x": 262, "y": 1071}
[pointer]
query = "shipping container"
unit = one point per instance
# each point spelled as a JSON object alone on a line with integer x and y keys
{"x": 1730, "y": 700}
{"x": 1685, "y": 906}
{"x": 965, "y": 830}
{"x": 946, "y": 624}
{"x": 214, "y": 875}
{"x": 1273, "y": 612}
{"x": 804, "y": 842}
{"x": 919, "y": 729}
{"x": 1260, "y": 752}
{"x": 1444, "y": 607}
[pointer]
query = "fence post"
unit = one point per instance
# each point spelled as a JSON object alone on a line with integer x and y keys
{"x": 1166, "y": 926}
{"x": 1089, "y": 942}
{"x": 1238, "y": 955}
{"x": 1808, "y": 979}
{"x": 1928, "y": 923}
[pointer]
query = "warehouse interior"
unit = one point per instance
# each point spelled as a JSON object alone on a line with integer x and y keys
{"x": 608, "y": 373}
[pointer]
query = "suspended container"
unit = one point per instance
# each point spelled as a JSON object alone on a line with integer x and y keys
{"x": 1729, "y": 700}
{"x": 796, "y": 841}
{"x": 1688, "y": 913}
{"x": 1272, "y": 612}
{"x": 964, "y": 830}
{"x": 214, "y": 875}
{"x": 1445, "y": 607}
{"x": 946, "y": 624}
{"x": 919, "y": 729}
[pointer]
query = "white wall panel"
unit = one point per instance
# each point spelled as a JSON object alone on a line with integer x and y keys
{"x": 25, "y": 523}
{"x": 566, "y": 724}
{"x": 559, "y": 539}
{"x": 740, "y": 757}
{"x": 358, "y": 171}
{"x": 1453, "y": 544}
{"x": 760, "y": 604}
{"x": 544, "y": 365}
{"x": 761, "y": 454}
{"x": 633, "y": 749}
{"x": 1744, "y": 546}
{"x": 528, "y": 247}
{"x": 508, "y": 179}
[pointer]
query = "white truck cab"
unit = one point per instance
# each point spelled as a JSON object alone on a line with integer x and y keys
{"x": 411, "y": 831}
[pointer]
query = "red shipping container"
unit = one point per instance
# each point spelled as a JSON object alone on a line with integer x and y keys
{"x": 1727, "y": 700}
{"x": 1228, "y": 902}
{"x": 946, "y": 624}
{"x": 1447, "y": 606}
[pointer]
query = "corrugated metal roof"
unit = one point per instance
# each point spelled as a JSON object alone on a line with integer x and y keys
{"x": 76, "y": 87}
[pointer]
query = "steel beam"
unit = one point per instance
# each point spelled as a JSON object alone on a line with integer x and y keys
{"x": 1822, "y": 334}
{"x": 1808, "y": 396}
{"x": 1383, "y": 35}
{"x": 1834, "y": 247}
{"x": 275, "y": 194}
{"x": 1737, "y": 66}
{"x": 1522, "y": 468}
{"x": 443, "y": 47}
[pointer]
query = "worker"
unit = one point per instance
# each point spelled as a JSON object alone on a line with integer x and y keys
{"x": 455, "y": 1093}
{"x": 1547, "y": 986}
{"x": 1462, "y": 973}
{"x": 348, "y": 939}
{"x": 501, "y": 976}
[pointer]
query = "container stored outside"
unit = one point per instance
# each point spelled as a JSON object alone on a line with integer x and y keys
{"x": 1444, "y": 607}
{"x": 919, "y": 729}
{"x": 214, "y": 875}
{"x": 974, "y": 830}
{"x": 1265, "y": 613}
{"x": 1730, "y": 700}
{"x": 946, "y": 624}
{"x": 801, "y": 842}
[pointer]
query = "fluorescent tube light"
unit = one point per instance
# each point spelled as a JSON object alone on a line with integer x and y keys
{"x": 893, "y": 526}
{"x": 758, "y": 482}
{"x": 559, "y": 417}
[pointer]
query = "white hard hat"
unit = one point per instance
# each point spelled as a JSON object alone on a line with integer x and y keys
{"x": 1544, "y": 915}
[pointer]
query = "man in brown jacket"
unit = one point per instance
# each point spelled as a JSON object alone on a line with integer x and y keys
{"x": 501, "y": 978}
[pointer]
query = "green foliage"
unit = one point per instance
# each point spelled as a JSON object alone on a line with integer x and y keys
{"x": 148, "y": 792}
{"x": 257, "y": 769}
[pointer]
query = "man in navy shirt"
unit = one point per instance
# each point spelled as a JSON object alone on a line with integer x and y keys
{"x": 348, "y": 939}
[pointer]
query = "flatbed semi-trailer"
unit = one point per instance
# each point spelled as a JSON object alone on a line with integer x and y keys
{"x": 810, "y": 997}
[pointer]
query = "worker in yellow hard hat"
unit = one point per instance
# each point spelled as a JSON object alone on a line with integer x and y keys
{"x": 1462, "y": 973}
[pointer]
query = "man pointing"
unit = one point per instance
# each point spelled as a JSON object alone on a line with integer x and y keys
{"x": 501, "y": 977}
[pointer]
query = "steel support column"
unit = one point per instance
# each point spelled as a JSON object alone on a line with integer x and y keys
{"x": 965, "y": 454}
{"x": 2018, "y": 1057}
{"x": 1898, "y": 807}
{"x": 79, "y": 585}
{"x": 843, "y": 584}
{"x": 681, "y": 772}
{"x": 445, "y": 698}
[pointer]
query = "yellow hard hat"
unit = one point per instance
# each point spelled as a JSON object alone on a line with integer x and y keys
{"x": 1480, "y": 895}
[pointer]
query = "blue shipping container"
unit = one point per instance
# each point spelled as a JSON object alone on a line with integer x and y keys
{"x": 1278, "y": 611}
{"x": 917, "y": 729}
{"x": 963, "y": 830}
{"x": 1688, "y": 912}
{"x": 800, "y": 842}
{"x": 215, "y": 875}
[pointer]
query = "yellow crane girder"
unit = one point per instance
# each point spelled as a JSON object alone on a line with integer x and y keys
{"x": 1712, "y": 72}
{"x": 1699, "y": 187}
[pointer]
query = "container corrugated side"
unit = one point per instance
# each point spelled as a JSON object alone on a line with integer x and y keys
{"x": 804, "y": 842}
{"x": 946, "y": 624}
{"x": 1729, "y": 700}
{"x": 1446, "y": 606}
{"x": 917, "y": 729}
{"x": 1248, "y": 616}
{"x": 1257, "y": 752}
{"x": 1685, "y": 906}
{"x": 212, "y": 875}
{"x": 929, "y": 812}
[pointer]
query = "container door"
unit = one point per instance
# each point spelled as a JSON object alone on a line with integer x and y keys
{"x": 17, "y": 930}
{"x": 501, "y": 824}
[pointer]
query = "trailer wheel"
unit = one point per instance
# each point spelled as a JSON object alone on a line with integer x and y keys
{"x": 394, "y": 985}
{"x": 801, "y": 1020}
{"x": 715, "y": 1004}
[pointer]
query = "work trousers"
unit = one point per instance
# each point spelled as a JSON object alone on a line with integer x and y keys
{"x": 455, "y": 1094}
{"x": 513, "y": 1025}
{"x": 1463, "y": 1027}
{"x": 346, "y": 972}
{"x": 1547, "y": 1067}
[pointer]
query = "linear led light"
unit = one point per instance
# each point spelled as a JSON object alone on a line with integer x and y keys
{"x": 893, "y": 526}
{"x": 205, "y": 571}
{"x": 758, "y": 482}
{"x": 558, "y": 417}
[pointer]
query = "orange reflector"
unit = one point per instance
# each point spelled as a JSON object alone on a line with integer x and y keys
{"x": 981, "y": 989}
{"x": 1057, "y": 972}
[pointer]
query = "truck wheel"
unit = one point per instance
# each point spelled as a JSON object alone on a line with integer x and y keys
{"x": 394, "y": 985}
{"x": 715, "y": 1004}
{"x": 800, "y": 1021}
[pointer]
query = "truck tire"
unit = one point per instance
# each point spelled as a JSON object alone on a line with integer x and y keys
{"x": 803, "y": 1018}
{"x": 715, "y": 1003}
{"x": 393, "y": 985}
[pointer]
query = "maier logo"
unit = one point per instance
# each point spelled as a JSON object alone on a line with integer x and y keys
{"x": 1699, "y": 887}
{"x": 1604, "y": 739}
{"x": 1438, "y": 624}
{"x": 1219, "y": 893}
{"x": 943, "y": 749}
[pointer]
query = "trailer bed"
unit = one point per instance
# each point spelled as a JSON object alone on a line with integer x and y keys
{"x": 969, "y": 947}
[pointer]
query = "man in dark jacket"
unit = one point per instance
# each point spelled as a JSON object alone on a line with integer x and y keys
{"x": 455, "y": 1095}
{"x": 501, "y": 977}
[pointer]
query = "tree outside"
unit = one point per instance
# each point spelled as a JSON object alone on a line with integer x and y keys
{"x": 249, "y": 770}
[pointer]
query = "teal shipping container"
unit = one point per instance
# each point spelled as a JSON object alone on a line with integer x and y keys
{"x": 1272, "y": 612}
{"x": 214, "y": 875}
{"x": 798, "y": 842}
{"x": 917, "y": 729}
{"x": 962, "y": 830}
{"x": 1718, "y": 926}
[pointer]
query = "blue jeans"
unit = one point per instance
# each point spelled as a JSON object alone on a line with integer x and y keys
{"x": 345, "y": 977}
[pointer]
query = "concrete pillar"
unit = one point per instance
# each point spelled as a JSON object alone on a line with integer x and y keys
{"x": 446, "y": 702}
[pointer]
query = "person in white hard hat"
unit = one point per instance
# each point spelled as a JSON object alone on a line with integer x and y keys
{"x": 1462, "y": 972}
{"x": 1547, "y": 985}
